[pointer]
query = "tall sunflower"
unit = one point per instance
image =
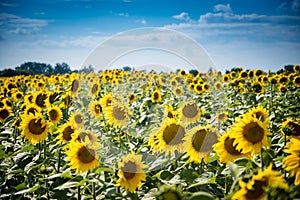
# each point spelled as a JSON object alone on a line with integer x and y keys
{"x": 291, "y": 128}
{"x": 54, "y": 114}
{"x": 199, "y": 143}
{"x": 94, "y": 108}
{"x": 40, "y": 98}
{"x": 261, "y": 114}
{"x": 131, "y": 172}
{"x": 78, "y": 119}
{"x": 226, "y": 150}
{"x": 258, "y": 186}
{"x": 106, "y": 100}
{"x": 116, "y": 114}
{"x": 5, "y": 112}
{"x": 296, "y": 81}
{"x": 190, "y": 112}
{"x": 34, "y": 128}
{"x": 291, "y": 163}
{"x": 82, "y": 158}
{"x": 156, "y": 96}
{"x": 250, "y": 135}
{"x": 169, "y": 137}
{"x": 66, "y": 132}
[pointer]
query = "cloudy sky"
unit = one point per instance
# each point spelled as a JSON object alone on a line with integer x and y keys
{"x": 250, "y": 33}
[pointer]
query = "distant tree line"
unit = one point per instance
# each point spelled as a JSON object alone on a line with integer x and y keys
{"x": 32, "y": 68}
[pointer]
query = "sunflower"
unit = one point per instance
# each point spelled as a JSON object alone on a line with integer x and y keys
{"x": 169, "y": 137}
{"x": 116, "y": 114}
{"x": 173, "y": 82}
{"x": 296, "y": 68}
{"x": 250, "y": 135}
{"x": 18, "y": 96}
{"x": 94, "y": 89}
{"x": 106, "y": 100}
{"x": 169, "y": 113}
{"x": 5, "y": 112}
{"x": 190, "y": 112}
{"x": 34, "y": 128}
{"x": 258, "y": 72}
{"x": 291, "y": 128}
{"x": 131, "y": 97}
{"x": 82, "y": 158}
{"x": 66, "y": 132}
{"x": 167, "y": 192}
{"x": 206, "y": 87}
{"x": 283, "y": 79}
{"x": 181, "y": 72}
{"x": 40, "y": 99}
{"x": 32, "y": 108}
{"x": 53, "y": 97}
{"x": 94, "y": 108}
{"x": 282, "y": 88}
{"x": 178, "y": 91}
{"x": 296, "y": 81}
{"x": 54, "y": 114}
{"x": 78, "y": 119}
{"x": 291, "y": 163}
{"x": 131, "y": 172}
{"x": 259, "y": 184}
{"x": 261, "y": 114}
{"x": 222, "y": 117}
{"x": 218, "y": 86}
{"x": 75, "y": 87}
{"x": 156, "y": 96}
{"x": 199, "y": 143}
{"x": 226, "y": 78}
{"x": 85, "y": 137}
{"x": 226, "y": 150}
{"x": 257, "y": 88}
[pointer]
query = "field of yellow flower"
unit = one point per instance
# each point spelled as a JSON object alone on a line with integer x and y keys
{"x": 136, "y": 135}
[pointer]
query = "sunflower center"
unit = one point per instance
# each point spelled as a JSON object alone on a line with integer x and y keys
{"x": 170, "y": 115}
{"x": 257, "y": 191}
{"x": 40, "y": 100}
{"x": 96, "y": 109}
{"x": 190, "y": 110}
{"x": 67, "y": 133}
{"x": 83, "y": 135}
{"x": 131, "y": 97}
{"x": 31, "y": 110}
{"x": 155, "y": 96}
{"x": 95, "y": 88}
{"x": 173, "y": 134}
{"x": 86, "y": 155}
{"x": 19, "y": 96}
{"x": 53, "y": 97}
{"x": 4, "y": 114}
{"x": 297, "y": 80}
{"x": 295, "y": 128}
{"x": 78, "y": 119}
{"x": 199, "y": 88}
{"x": 75, "y": 85}
{"x": 228, "y": 144}
{"x": 203, "y": 140}
{"x": 129, "y": 170}
{"x": 178, "y": 91}
{"x": 53, "y": 114}
{"x": 221, "y": 116}
{"x": 36, "y": 127}
{"x": 257, "y": 88}
{"x": 118, "y": 113}
{"x": 253, "y": 132}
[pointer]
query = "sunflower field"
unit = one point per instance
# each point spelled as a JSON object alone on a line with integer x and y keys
{"x": 136, "y": 135}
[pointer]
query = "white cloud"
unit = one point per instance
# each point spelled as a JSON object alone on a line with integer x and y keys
{"x": 13, "y": 24}
{"x": 222, "y": 8}
{"x": 7, "y": 4}
{"x": 142, "y": 21}
{"x": 182, "y": 16}
{"x": 123, "y": 14}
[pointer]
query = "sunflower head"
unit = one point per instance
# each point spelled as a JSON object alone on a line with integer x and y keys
{"x": 156, "y": 96}
{"x": 54, "y": 114}
{"x": 34, "y": 128}
{"x": 222, "y": 117}
{"x": 190, "y": 112}
{"x": 94, "y": 108}
{"x": 82, "y": 157}
{"x": 78, "y": 119}
{"x": 296, "y": 81}
{"x": 291, "y": 128}
{"x": 5, "y": 112}
{"x": 178, "y": 91}
{"x": 66, "y": 132}
{"x": 131, "y": 172}
{"x": 261, "y": 114}
{"x": 40, "y": 99}
{"x": 200, "y": 142}
{"x": 131, "y": 97}
{"x": 116, "y": 114}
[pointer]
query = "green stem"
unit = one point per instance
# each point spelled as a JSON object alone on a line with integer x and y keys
{"x": 261, "y": 159}
{"x": 45, "y": 149}
{"x": 94, "y": 191}
{"x": 59, "y": 158}
{"x": 78, "y": 193}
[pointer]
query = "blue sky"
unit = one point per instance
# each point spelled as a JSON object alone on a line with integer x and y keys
{"x": 248, "y": 33}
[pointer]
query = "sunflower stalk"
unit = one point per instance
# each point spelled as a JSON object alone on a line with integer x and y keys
{"x": 78, "y": 193}
{"x": 94, "y": 190}
{"x": 59, "y": 159}
{"x": 261, "y": 159}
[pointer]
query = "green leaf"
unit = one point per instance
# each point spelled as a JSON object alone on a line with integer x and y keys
{"x": 29, "y": 190}
{"x": 66, "y": 185}
{"x": 202, "y": 195}
{"x": 166, "y": 175}
{"x": 20, "y": 186}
